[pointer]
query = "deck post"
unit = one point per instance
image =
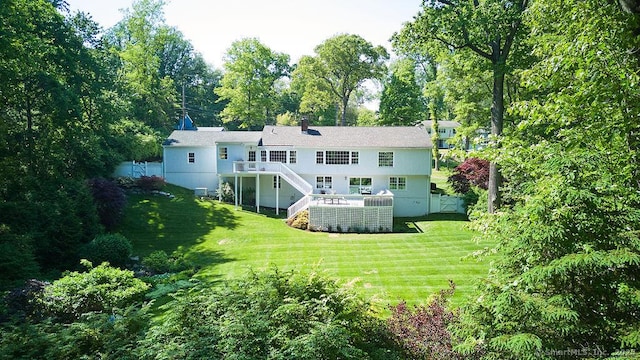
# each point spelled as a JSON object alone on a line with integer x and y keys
{"x": 277, "y": 193}
{"x": 235, "y": 191}
{"x": 258, "y": 193}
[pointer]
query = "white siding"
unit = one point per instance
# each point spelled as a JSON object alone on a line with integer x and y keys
{"x": 201, "y": 173}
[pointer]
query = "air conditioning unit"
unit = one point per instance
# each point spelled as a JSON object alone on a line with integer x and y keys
{"x": 201, "y": 191}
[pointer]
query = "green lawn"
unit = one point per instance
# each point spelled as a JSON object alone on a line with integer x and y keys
{"x": 409, "y": 265}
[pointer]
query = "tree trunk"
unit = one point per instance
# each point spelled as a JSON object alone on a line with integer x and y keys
{"x": 497, "y": 117}
{"x": 345, "y": 102}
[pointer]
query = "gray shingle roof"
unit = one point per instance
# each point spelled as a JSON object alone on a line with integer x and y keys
{"x": 209, "y": 138}
{"x": 347, "y": 137}
{"x": 316, "y": 137}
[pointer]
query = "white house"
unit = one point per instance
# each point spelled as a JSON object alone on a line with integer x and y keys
{"x": 309, "y": 167}
{"x": 446, "y": 130}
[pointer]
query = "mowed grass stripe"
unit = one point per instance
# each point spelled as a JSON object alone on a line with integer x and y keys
{"x": 226, "y": 242}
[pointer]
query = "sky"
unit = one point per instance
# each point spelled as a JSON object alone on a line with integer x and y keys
{"x": 287, "y": 26}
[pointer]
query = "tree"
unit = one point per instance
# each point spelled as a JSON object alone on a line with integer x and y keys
{"x": 472, "y": 172}
{"x": 137, "y": 39}
{"x": 341, "y": 65}
{"x": 569, "y": 245}
{"x": 488, "y": 29}
{"x": 251, "y": 73}
{"x": 402, "y": 102}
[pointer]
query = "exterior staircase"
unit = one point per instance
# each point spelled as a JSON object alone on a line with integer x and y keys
{"x": 295, "y": 180}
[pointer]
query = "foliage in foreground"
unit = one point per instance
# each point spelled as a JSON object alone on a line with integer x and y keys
{"x": 270, "y": 315}
{"x": 423, "y": 331}
{"x": 567, "y": 282}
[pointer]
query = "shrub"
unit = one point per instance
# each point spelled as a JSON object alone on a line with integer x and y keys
{"x": 472, "y": 172}
{"x": 150, "y": 183}
{"x": 160, "y": 262}
{"x": 112, "y": 248}
{"x": 225, "y": 193}
{"x": 110, "y": 201}
{"x": 300, "y": 221}
{"x": 272, "y": 314}
{"x": 423, "y": 331}
{"x": 100, "y": 290}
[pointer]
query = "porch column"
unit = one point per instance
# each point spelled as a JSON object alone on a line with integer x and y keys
{"x": 235, "y": 191}
{"x": 258, "y": 193}
{"x": 277, "y": 192}
{"x": 241, "y": 177}
{"x": 220, "y": 188}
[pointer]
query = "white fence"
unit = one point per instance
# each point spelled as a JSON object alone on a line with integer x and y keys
{"x": 447, "y": 204}
{"x": 137, "y": 169}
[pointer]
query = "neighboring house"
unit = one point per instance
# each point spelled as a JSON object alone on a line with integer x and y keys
{"x": 326, "y": 169}
{"x": 446, "y": 130}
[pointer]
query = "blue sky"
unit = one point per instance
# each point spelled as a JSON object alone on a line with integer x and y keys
{"x": 288, "y": 26}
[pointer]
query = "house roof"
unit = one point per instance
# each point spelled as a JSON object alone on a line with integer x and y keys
{"x": 346, "y": 137}
{"x": 442, "y": 124}
{"x": 316, "y": 137}
{"x": 209, "y": 138}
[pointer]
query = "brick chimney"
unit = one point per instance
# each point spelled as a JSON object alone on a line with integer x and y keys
{"x": 304, "y": 125}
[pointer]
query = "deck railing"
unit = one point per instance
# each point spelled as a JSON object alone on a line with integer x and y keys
{"x": 298, "y": 206}
{"x": 257, "y": 167}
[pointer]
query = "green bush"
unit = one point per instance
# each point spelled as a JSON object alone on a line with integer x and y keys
{"x": 157, "y": 262}
{"x": 160, "y": 262}
{"x": 112, "y": 248}
{"x": 271, "y": 315}
{"x": 100, "y": 290}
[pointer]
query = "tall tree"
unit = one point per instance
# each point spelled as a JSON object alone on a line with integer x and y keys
{"x": 570, "y": 244}
{"x": 488, "y": 29}
{"x": 341, "y": 65}
{"x": 251, "y": 73}
{"x": 402, "y": 102}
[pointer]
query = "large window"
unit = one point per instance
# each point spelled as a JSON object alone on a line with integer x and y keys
{"x": 278, "y": 156}
{"x": 337, "y": 157}
{"x": 324, "y": 182}
{"x": 360, "y": 186}
{"x": 319, "y": 157}
{"x": 191, "y": 158}
{"x": 397, "y": 183}
{"x": 385, "y": 158}
{"x": 293, "y": 157}
{"x": 223, "y": 153}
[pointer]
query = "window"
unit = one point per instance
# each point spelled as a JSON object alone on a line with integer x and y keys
{"x": 263, "y": 155}
{"x": 293, "y": 157}
{"x": 385, "y": 158}
{"x": 252, "y": 155}
{"x": 442, "y": 131}
{"x": 276, "y": 182}
{"x": 319, "y": 157}
{"x": 191, "y": 158}
{"x": 278, "y": 156}
{"x": 355, "y": 157}
{"x": 397, "y": 183}
{"x": 360, "y": 186}
{"x": 223, "y": 153}
{"x": 324, "y": 182}
{"x": 337, "y": 157}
